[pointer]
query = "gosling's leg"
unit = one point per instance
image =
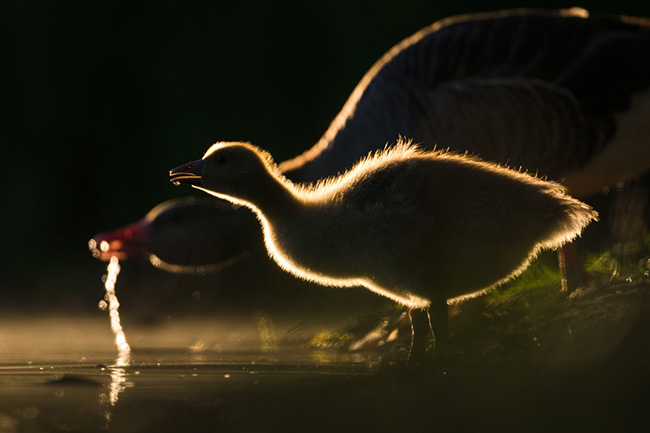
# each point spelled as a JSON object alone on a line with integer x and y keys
{"x": 428, "y": 323}
{"x": 420, "y": 332}
{"x": 439, "y": 317}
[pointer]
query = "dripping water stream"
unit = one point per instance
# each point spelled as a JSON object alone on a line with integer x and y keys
{"x": 110, "y": 302}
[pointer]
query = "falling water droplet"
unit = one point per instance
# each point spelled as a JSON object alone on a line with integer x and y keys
{"x": 123, "y": 348}
{"x": 117, "y": 372}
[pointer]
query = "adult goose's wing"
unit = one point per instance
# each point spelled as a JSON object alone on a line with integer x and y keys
{"x": 528, "y": 88}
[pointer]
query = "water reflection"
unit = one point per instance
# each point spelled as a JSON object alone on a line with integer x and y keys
{"x": 117, "y": 385}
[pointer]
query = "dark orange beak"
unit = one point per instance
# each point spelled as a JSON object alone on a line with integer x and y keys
{"x": 187, "y": 174}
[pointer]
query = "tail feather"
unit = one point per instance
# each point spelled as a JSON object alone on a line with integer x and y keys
{"x": 570, "y": 219}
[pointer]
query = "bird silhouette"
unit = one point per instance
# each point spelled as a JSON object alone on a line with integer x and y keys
{"x": 561, "y": 93}
{"x": 416, "y": 227}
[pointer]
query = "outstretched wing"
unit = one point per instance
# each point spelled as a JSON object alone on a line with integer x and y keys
{"x": 528, "y": 88}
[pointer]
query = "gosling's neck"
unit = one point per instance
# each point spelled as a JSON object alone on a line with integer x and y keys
{"x": 273, "y": 196}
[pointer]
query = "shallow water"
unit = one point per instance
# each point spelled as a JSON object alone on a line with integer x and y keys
{"x": 164, "y": 391}
{"x": 57, "y": 374}
{"x": 172, "y": 391}
{"x": 64, "y": 374}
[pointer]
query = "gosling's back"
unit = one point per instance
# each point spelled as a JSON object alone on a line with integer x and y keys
{"x": 430, "y": 224}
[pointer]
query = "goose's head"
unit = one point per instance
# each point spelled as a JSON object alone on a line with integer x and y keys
{"x": 226, "y": 168}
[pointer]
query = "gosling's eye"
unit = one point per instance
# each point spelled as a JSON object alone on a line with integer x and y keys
{"x": 221, "y": 159}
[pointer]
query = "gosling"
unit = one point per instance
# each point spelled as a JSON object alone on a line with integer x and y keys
{"x": 417, "y": 227}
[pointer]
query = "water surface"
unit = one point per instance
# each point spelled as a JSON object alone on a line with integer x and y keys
{"x": 535, "y": 364}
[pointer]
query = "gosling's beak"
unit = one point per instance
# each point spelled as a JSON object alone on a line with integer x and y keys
{"x": 188, "y": 174}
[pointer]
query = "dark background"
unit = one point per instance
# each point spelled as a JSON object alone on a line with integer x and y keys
{"x": 98, "y": 100}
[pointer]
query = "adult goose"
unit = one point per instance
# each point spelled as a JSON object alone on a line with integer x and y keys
{"x": 416, "y": 227}
{"x": 561, "y": 93}
{"x": 180, "y": 236}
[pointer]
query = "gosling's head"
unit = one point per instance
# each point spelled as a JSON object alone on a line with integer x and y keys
{"x": 226, "y": 168}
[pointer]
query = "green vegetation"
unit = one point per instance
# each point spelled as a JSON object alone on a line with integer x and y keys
{"x": 527, "y": 320}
